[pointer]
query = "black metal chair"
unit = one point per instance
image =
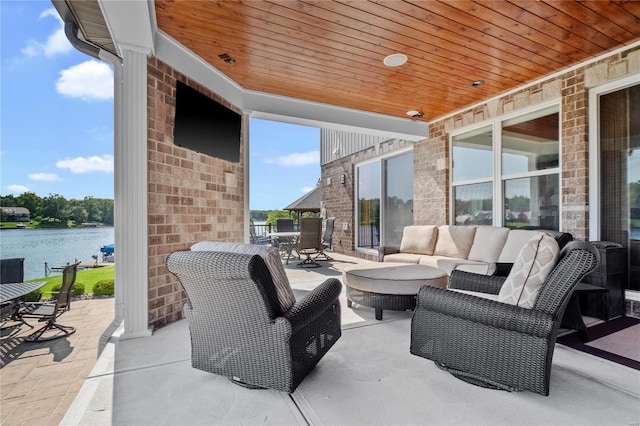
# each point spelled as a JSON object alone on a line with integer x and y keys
{"x": 49, "y": 311}
{"x": 238, "y": 328}
{"x": 12, "y": 270}
{"x": 494, "y": 344}
{"x": 327, "y": 240}
{"x": 284, "y": 224}
{"x": 309, "y": 241}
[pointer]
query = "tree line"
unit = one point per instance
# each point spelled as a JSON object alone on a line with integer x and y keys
{"x": 55, "y": 208}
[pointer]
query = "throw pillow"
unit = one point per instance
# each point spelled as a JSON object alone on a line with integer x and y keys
{"x": 535, "y": 261}
{"x": 418, "y": 239}
{"x": 454, "y": 241}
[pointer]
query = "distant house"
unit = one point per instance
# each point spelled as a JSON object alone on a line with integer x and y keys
{"x": 16, "y": 214}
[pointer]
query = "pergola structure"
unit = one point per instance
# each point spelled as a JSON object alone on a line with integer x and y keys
{"x": 386, "y": 68}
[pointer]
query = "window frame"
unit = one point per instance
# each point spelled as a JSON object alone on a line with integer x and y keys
{"x": 498, "y": 179}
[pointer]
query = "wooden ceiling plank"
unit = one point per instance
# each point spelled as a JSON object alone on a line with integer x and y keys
{"x": 309, "y": 66}
{"x": 306, "y": 50}
{"x": 576, "y": 29}
{"x": 421, "y": 17}
{"x": 453, "y": 58}
{"x": 596, "y": 16}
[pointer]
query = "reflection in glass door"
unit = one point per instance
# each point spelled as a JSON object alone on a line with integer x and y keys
{"x": 398, "y": 199}
{"x": 619, "y": 117}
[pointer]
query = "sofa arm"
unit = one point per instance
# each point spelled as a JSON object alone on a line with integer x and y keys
{"x": 314, "y": 304}
{"x": 484, "y": 311}
{"x": 475, "y": 282}
{"x": 385, "y": 250}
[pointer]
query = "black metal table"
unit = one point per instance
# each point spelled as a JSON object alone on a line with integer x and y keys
{"x": 573, "y": 316}
{"x": 10, "y": 294}
{"x": 11, "y": 291}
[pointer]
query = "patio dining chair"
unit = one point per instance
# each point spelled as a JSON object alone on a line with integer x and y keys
{"x": 309, "y": 241}
{"x": 327, "y": 240}
{"x": 244, "y": 320}
{"x": 50, "y": 311}
{"x": 474, "y": 330}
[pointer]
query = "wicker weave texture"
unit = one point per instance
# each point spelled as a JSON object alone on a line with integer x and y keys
{"x": 237, "y": 327}
{"x": 494, "y": 344}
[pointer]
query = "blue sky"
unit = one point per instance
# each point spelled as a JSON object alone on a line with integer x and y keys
{"x": 56, "y": 120}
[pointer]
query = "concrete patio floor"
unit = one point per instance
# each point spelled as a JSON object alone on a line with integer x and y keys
{"x": 368, "y": 377}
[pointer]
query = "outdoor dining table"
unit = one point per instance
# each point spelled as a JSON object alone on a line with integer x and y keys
{"x": 9, "y": 295}
{"x": 11, "y": 291}
{"x": 287, "y": 240}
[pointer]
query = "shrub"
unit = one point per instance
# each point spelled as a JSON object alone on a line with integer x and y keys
{"x": 104, "y": 288}
{"x": 78, "y": 290}
{"x": 34, "y": 296}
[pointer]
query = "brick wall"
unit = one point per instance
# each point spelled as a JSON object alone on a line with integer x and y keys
{"x": 191, "y": 196}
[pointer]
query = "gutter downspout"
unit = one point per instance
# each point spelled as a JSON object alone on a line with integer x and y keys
{"x": 71, "y": 31}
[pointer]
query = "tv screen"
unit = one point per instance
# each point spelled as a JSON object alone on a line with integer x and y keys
{"x": 205, "y": 126}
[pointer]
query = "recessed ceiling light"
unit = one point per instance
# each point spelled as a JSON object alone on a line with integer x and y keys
{"x": 415, "y": 114}
{"x": 477, "y": 83}
{"x": 395, "y": 60}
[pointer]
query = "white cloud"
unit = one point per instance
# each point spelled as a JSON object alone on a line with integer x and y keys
{"x": 56, "y": 43}
{"x": 306, "y": 189}
{"x": 78, "y": 165}
{"x": 296, "y": 159}
{"x": 90, "y": 80}
{"x": 18, "y": 189}
{"x": 49, "y": 177}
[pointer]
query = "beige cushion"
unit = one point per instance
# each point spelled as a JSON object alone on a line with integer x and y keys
{"x": 392, "y": 278}
{"x": 488, "y": 243}
{"x": 477, "y": 268}
{"x": 418, "y": 239}
{"x": 403, "y": 258}
{"x": 271, "y": 257}
{"x": 534, "y": 263}
{"x": 516, "y": 239}
{"x": 454, "y": 241}
{"x": 448, "y": 264}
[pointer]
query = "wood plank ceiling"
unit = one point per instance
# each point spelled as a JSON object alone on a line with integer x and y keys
{"x": 332, "y": 51}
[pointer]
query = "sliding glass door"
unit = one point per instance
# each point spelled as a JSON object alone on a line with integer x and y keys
{"x": 619, "y": 174}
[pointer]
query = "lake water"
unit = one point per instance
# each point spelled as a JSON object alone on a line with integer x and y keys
{"x": 57, "y": 247}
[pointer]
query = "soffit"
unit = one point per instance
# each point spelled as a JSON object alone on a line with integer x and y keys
{"x": 332, "y": 51}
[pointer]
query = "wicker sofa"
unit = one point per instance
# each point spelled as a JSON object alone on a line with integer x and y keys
{"x": 486, "y": 250}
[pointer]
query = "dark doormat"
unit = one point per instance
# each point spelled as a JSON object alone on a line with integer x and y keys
{"x": 599, "y": 331}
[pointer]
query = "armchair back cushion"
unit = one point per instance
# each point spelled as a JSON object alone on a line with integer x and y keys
{"x": 419, "y": 239}
{"x": 488, "y": 243}
{"x": 516, "y": 239}
{"x": 271, "y": 257}
{"x": 454, "y": 241}
{"x": 535, "y": 261}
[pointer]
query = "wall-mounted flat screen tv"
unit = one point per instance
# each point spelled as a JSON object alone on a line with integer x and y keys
{"x": 205, "y": 126}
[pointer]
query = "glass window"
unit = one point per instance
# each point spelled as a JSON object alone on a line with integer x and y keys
{"x": 532, "y": 201}
{"x": 531, "y": 142}
{"x": 369, "y": 183}
{"x": 473, "y": 204}
{"x": 473, "y": 155}
{"x": 398, "y": 204}
{"x": 526, "y": 186}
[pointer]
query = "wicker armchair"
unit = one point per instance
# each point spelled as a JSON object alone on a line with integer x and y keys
{"x": 494, "y": 344}
{"x": 238, "y": 328}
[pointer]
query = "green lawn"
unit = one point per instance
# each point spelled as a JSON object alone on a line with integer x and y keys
{"x": 88, "y": 277}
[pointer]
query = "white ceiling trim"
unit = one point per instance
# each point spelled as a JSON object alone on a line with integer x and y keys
{"x": 130, "y": 25}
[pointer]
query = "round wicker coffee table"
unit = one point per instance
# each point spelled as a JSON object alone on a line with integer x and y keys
{"x": 389, "y": 285}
